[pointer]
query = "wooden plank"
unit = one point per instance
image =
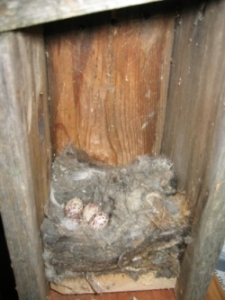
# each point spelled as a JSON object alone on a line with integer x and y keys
{"x": 215, "y": 291}
{"x": 111, "y": 283}
{"x": 38, "y": 131}
{"x": 194, "y": 137}
{"x": 109, "y": 76}
{"x": 18, "y": 14}
{"x": 23, "y": 103}
{"x": 144, "y": 295}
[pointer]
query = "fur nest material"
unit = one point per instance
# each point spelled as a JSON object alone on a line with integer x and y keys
{"x": 123, "y": 219}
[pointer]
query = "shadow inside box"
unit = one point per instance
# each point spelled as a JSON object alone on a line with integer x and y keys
{"x": 7, "y": 280}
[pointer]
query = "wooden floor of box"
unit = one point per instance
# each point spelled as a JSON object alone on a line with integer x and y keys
{"x": 215, "y": 292}
{"x": 114, "y": 283}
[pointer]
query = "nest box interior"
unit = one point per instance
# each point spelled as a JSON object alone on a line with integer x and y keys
{"x": 113, "y": 78}
{"x": 123, "y": 114}
{"x": 108, "y": 77}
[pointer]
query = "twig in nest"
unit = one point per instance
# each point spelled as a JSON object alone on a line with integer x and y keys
{"x": 120, "y": 260}
{"x": 157, "y": 225}
{"x": 95, "y": 285}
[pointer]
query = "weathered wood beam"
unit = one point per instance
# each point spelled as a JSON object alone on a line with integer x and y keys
{"x": 194, "y": 136}
{"x": 24, "y": 168}
{"x": 18, "y": 14}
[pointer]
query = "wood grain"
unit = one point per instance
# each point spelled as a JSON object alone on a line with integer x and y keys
{"x": 147, "y": 295}
{"x": 109, "y": 77}
{"x": 215, "y": 292}
{"x": 18, "y": 14}
{"x": 194, "y": 137}
{"x": 111, "y": 283}
{"x": 38, "y": 130}
{"x": 23, "y": 168}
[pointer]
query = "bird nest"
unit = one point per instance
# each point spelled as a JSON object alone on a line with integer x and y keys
{"x": 102, "y": 218}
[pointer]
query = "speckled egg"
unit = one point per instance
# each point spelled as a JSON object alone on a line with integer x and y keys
{"x": 90, "y": 210}
{"x": 99, "y": 221}
{"x": 73, "y": 208}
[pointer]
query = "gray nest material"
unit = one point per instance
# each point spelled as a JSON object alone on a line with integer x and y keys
{"x": 113, "y": 219}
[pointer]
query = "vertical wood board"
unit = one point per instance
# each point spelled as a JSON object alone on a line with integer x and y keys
{"x": 109, "y": 77}
{"x": 22, "y": 80}
{"x": 38, "y": 130}
{"x": 194, "y": 136}
{"x": 195, "y": 95}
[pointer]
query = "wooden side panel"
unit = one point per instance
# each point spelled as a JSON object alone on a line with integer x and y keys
{"x": 109, "y": 79}
{"x": 194, "y": 136}
{"x": 24, "y": 152}
{"x": 18, "y": 14}
{"x": 38, "y": 130}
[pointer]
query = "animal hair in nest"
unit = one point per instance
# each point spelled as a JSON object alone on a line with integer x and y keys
{"x": 104, "y": 218}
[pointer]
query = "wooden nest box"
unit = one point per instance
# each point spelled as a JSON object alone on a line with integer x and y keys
{"x": 117, "y": 79}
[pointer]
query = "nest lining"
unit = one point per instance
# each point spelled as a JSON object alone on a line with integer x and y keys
{"x": 147, "y": 218}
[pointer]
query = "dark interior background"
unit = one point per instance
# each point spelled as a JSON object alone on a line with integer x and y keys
{"x": 7, "y": 281}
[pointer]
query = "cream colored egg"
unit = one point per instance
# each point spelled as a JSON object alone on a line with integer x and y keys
{"x": 73, "y": 208}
